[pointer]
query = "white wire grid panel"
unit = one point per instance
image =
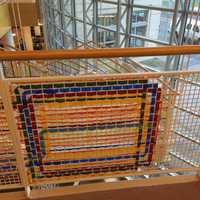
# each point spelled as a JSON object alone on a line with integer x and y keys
{"x": 186, "y": 122}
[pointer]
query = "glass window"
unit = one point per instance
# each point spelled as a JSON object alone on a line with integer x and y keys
{"x": 107, "y": 20}
{"x": 140, "y": 16}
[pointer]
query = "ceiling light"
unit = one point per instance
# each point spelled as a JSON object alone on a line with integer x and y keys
{"x": 40, "y": 24}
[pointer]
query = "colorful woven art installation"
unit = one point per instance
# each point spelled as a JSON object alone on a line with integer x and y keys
{"x": 88, "y": 127}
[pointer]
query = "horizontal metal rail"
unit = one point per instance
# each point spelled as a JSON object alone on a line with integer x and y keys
{"x": 99, "y": 53}
{"x": 189, "y": 162}
{"x": 194, "y": 140}
{"x": 196, "y": 114}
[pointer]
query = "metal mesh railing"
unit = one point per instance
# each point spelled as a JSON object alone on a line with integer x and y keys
{"x": 88, "y": 124}
{"x": 71, "y": 67}
{"x": 99, "y": 126}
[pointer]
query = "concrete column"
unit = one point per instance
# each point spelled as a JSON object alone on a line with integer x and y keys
{"x": 27, "y": 38}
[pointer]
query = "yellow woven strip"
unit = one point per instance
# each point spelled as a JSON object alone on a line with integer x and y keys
{"x": 100, "y": 96}
{"x": 83, "y": 134}
{"x": 93, "y": 103}
{"x": 53, "y": 142}
{"x": 93, "y": 154}
{"x": 44, "y": 116}
{"x": 95, "y": 164}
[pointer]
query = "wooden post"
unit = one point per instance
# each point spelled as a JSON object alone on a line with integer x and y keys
{"x": 1, "y": 71}
{"x": 198, "y": 173}
{"x": 10, "y": 116}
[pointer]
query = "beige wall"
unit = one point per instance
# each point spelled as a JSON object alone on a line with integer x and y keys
{"x": 29, "y": 14}
{"x": 4, "y": 20}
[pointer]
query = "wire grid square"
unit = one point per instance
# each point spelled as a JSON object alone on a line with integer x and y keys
{"x": 87, "y": 128}
{"x": 184, "y": 150}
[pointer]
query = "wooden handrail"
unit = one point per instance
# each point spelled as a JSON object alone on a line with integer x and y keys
{"x": 99, "y": 53}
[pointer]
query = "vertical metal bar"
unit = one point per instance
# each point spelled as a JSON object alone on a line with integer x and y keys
{"x": 95, "y": 21}
{"x": 62, "y": 22}
{"x": 173, "y": 31}
{"x": 44, "y": 21}
{"x": 174, "y": 21}
{"x": 20, "y": 26}
{"x": 48, "y": 26}
{"x": 118, "y": 24}
{"x": 73, "y": 15}
{"x": 54, "y": 45}
{"x": 182, "y": 32}
{"x": 186, "y": 66}
{"x": 84, "y": 23}
{"x": 183, "y": 22}
{"x": 85, "y": 30}
{"x": 129, "y": 22}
